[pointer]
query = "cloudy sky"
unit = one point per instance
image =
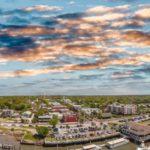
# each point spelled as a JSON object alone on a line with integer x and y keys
{"x": 74, "y": 47}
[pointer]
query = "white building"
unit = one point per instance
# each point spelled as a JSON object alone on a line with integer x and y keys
{"x": 89, "y": 111}
{"x": 26, "y": 114}
{"x": 128, "y": 109}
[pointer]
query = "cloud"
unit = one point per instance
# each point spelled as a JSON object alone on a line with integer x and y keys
{"x": 143, "y": 13}
{"x": 131, "y": 23}
{"x": 105, "y": 17}
{"x": 104, "y": 9}
{"x": 136, "y": 60}
{"x": 89, "y": 35}
{"x": 71, "y": 2}
{"x": 136, "y": 37}
{"x": 41, "y": 8}
{"x": 79, "y": 50}
{"x": 34, "y": 30}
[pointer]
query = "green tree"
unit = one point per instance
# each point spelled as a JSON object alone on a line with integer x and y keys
{"x": 42, "y": 131}
{"x": 54, "y": 121}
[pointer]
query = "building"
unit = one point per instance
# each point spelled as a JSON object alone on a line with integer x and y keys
{"x": 70, "y": 118}
{"x": 106, "y": 115}
{"x": 89, "y": 111}
{"x": 122, "y": 109}
{"x": 59, "y": 115}
{"x": 44, "y": 118}
{"x": 77, "y": 107}
{"x": 67, "y": 101}
{"x": 136, "y": 131}
{"x": 7, "y": 113}
{"x": 26, "y": 114}
{"x": 27, "y": 117}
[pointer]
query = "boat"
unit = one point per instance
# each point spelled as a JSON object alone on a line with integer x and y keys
{"x": 117, "y": 143}
{"x": 143, "y": 147}
{"x": 92, "y": 147}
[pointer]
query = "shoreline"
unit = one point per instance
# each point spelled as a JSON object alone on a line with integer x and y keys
{"x": 70, "y": 143}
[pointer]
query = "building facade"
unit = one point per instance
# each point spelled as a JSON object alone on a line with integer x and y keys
{"x": 122, "y": 109}
{"x": 136, "y": 131}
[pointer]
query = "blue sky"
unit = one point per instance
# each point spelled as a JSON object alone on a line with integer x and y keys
{"x": 74, "y": 47}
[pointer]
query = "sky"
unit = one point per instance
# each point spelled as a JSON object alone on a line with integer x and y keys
{"x": 74, "y": 47}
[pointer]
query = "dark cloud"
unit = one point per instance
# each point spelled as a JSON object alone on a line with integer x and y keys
{"x": 15, "y": 42}
{"x": 71, "y": 16}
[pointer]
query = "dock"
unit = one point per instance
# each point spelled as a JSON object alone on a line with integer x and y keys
{"x": 7, "y": 147}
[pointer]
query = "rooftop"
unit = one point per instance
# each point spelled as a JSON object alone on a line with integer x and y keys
{"x": 139, "y": 129}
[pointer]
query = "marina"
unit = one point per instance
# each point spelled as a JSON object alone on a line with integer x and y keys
{"x": 120, "y": 144}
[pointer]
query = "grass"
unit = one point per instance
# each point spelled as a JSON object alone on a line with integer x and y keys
{"x": 4, "y": 129}
{"x": 50, "y": 139}
{"x": 30, "y": 137}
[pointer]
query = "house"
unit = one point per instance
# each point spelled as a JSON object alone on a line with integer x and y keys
{"x": 26, "y": 114}
{"x": 7, "y": 113}
{"x": 27, "y": 117}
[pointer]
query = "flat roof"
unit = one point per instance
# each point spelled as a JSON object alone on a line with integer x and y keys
{"x": 139, "y": 129}
{"x": 116, "y": 141}
{"x": 89, "y": 146}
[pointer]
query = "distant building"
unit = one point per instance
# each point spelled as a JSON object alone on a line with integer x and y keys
{"x": 55, "y": 103}
{"x": 77, "y": 107}
{"x": 59, "y": 115}
{"x": 136, "y": 131}
{"x": 26, "y": 114}
{"x": 59, "y": 108}
{"x": 7, "y": 113}
{"x": 89, "y": 111}
{"x": 70, "y": 118}
{"x": 106, "y": 115}
{"x": 44, "y": 118}
{"x": 67, "y": 101}
{"x": 122, "y": 109}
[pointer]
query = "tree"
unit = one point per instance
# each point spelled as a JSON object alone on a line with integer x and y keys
{"x": 54, "y": 121}
{"x": 42, "y": 131}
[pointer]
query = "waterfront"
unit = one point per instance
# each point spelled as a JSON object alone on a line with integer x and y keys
{"x": 130, "y": 146}
{"x": 10, "y": 140}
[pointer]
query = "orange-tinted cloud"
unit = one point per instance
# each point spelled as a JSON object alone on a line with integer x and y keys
{"x": 42, "y": 8}
{"x": 104, "y": 9}
{"x": 105, "y": 17}
{"x": 134, "y": 23}
{"x": 34, "y": 30}
{"x": 134, "y": 60}
{"x": 143, "y": 13}
{"x": 138, "y": 38}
